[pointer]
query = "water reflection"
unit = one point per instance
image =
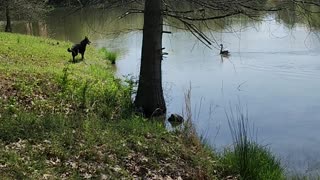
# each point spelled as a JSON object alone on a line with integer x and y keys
{"x": 273, "y": 69}
{"x": 71, "y": 24}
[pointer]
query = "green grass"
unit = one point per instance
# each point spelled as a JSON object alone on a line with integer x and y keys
{"x": 60, "y": 119}
{"x": 108, "y": 55}
{"x": 77, "y": 147}
{"x": 248, "y": 159}
{"x": 38, "y": 74}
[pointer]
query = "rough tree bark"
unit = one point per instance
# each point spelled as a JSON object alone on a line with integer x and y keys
{"x": 8, "y": 18}
{"x": 149, "y": 96}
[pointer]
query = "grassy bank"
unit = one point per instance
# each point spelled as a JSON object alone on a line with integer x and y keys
{"x": 64, "y": 120}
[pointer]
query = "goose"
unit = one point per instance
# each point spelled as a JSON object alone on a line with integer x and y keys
{"x": 223, "y": 52}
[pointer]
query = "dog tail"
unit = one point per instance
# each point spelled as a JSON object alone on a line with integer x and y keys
{"x": 69, "y": 50}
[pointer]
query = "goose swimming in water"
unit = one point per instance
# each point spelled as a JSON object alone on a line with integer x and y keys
{"x": 223, "y": 52}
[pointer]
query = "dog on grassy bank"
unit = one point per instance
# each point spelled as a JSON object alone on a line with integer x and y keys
{"x": 79, "y": 48}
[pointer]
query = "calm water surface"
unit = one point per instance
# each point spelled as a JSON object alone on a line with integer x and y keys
{"x": 275, "y": 79}
{"x": 273, "y": 73}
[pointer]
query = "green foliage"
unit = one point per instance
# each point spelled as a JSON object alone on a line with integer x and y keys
{"x": 64, "y": 79}
{"x": 32, "y": 146}
{"x": 253, "y": 161}
{"x": 41, "y": 78}
{"x": 28, "y": 126}
{"x": 111, "y": 56}
{"x": 248, "y": 159}
{"x": 60, "y": 120}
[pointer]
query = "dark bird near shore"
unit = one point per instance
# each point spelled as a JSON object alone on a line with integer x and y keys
{"x": 224, "y": 52}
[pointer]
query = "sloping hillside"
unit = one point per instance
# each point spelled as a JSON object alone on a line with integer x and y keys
{"x": 63, "y": 120}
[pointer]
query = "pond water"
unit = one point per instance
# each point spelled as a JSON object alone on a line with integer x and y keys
{"x": 273, "y": 73}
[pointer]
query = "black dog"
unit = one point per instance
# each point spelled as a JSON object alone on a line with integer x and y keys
{"x": 79, "y": 48}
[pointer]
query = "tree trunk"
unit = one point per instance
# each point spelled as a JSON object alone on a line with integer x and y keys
{"x": 8, "y": 25}
{"x": 149, "y": 97}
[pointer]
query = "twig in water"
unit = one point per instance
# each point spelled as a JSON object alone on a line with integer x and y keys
{"x": 241, "y": 85}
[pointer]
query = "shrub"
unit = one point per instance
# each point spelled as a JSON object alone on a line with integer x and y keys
{"x": 111, "y": 56}
{"x": 247, "y": 158}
